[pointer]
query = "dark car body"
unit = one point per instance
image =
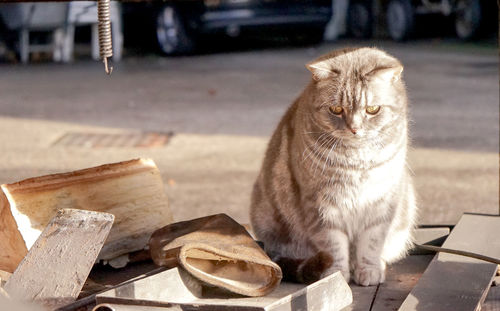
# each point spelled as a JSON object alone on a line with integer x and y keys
{"x": 202, "y": 17}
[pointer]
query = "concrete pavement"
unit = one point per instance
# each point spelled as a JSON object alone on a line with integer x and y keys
{"x": 222, "y": 109}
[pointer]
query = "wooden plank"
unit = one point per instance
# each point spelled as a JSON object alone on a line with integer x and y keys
{"x": 132, "y": 191}
{"x": 492, "y": 301}
{"x": 362, "y": 297}
{"x": 119, "y": 307}
{"x": 56, "y": 267}
{"x": 453, "y": 282}
{"x": 7, "y": 304}
{"x": 430, "y": 236}
{"x": 400, "y": 279}
{"x": 330, "y": 293}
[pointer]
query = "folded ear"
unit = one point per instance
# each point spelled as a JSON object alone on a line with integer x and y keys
{"x": 321, "y": 69}
{"x": 387, "y": 74}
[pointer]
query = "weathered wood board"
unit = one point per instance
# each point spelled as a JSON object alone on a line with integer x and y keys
{"x": 492, "y": 301}
{"x": 132, "y": 191}
{"x": 453, "y": 282}
{"x": 119, "y": 307}
{"x": 331, "y": 293}
{"x": 401, "y": 278}
{"x": 362, "y": 297}
{"x": 56, "y": 267}
{"x": 431, "y": 236}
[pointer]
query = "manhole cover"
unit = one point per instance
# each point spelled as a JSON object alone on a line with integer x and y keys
{"x": 116, "y": 140}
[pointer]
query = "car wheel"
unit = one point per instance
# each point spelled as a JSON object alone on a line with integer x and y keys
{"x": 359, "y": 20}
{"x": 171, "y": 33}
{"x": 467, "y": 18}
{"x": 400, "y": 19}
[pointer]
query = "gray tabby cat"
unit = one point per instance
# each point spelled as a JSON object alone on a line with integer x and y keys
{"x": 334, "y": 192}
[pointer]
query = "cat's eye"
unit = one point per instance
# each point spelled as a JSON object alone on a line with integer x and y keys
{"x": 336, "y": 109}
{"x": 372, "y": 109}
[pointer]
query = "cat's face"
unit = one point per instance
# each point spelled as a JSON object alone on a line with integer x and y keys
{"x": 359, "y": 95}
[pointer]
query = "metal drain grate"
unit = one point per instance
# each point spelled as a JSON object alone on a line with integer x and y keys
{"x": 117, "y": 140}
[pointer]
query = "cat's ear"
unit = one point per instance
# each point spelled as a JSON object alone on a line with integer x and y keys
{"x": 386, "y": 74}
{"x": 321, "y": 69}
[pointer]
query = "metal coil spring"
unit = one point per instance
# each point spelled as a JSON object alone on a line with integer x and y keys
{"x": 104, "y": 28}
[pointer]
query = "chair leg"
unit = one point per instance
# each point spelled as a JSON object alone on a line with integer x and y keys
{"x": 24, "y": 45}
{"x": 57, "y": 44}
{"x": 95, "y": 42}
{"x": 68, "y": 44}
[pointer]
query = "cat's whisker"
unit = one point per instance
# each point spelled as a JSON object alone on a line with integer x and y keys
{"x": 409, "y": 168}
{"x": 312, "y": 148}
{"x": 327, "y": 160}
{"x": 330, "y": 141}
{"x": 306, "y": 133}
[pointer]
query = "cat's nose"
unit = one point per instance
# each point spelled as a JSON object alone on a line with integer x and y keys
{"x": 354, "y": 131}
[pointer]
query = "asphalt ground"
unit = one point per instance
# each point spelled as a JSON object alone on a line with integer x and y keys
{"x": 222, "y": 108}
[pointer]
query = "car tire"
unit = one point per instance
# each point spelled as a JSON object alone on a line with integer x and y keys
{"x": 400, "y": 19}
{"x": 171, "y": 33}
{"x": 359, "y": 21}
{"x": 467, "y": 18}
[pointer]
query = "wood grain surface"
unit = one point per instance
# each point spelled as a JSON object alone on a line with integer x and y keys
{"x": 453, "y": 282}
{"x": 56, "y": 267}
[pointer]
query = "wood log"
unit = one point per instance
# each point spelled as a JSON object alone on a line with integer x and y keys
{"x": 56, "y": 267}
{"x": 4, "y": 277}
{"x": 132, "y": 191}
{"x": 12, "y": 244}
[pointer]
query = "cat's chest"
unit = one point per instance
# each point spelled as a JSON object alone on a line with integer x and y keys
{"x": 351, "y": 188}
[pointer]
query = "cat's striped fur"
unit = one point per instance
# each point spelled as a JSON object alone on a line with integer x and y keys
{"x": 334, "y": 192}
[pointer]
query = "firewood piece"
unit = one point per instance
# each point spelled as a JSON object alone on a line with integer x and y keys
{"x": 56, "y": 267}
{"x": 454, "y": 282}
{"x": 131, "y": 190}
{"x": 4, "y": 276}
{"x": 12, "y": 244}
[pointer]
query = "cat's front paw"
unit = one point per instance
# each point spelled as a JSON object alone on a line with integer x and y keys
{"x": 369, "y": 275}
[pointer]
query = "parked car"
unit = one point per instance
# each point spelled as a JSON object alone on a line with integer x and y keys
{"x": 470, "y": 17}
{"x": 178, "y": 26}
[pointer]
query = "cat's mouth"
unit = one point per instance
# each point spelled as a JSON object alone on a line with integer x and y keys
{"x": 351, "y": 134}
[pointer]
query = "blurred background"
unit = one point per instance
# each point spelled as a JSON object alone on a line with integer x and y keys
{"x": 199, "y": 86}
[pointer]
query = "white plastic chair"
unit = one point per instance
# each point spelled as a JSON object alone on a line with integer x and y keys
{"x": 28, "y": 17}
{"x": 85, "y": 13}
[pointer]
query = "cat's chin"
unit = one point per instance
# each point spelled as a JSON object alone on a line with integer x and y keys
{"x": 349, "y": 138}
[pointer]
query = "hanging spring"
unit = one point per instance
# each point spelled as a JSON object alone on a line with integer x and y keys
{"x": 104, "y": 29}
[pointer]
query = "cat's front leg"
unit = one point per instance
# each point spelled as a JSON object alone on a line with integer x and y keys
{"x": 369, "y": 267}
{"x": 338, "y": 246}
